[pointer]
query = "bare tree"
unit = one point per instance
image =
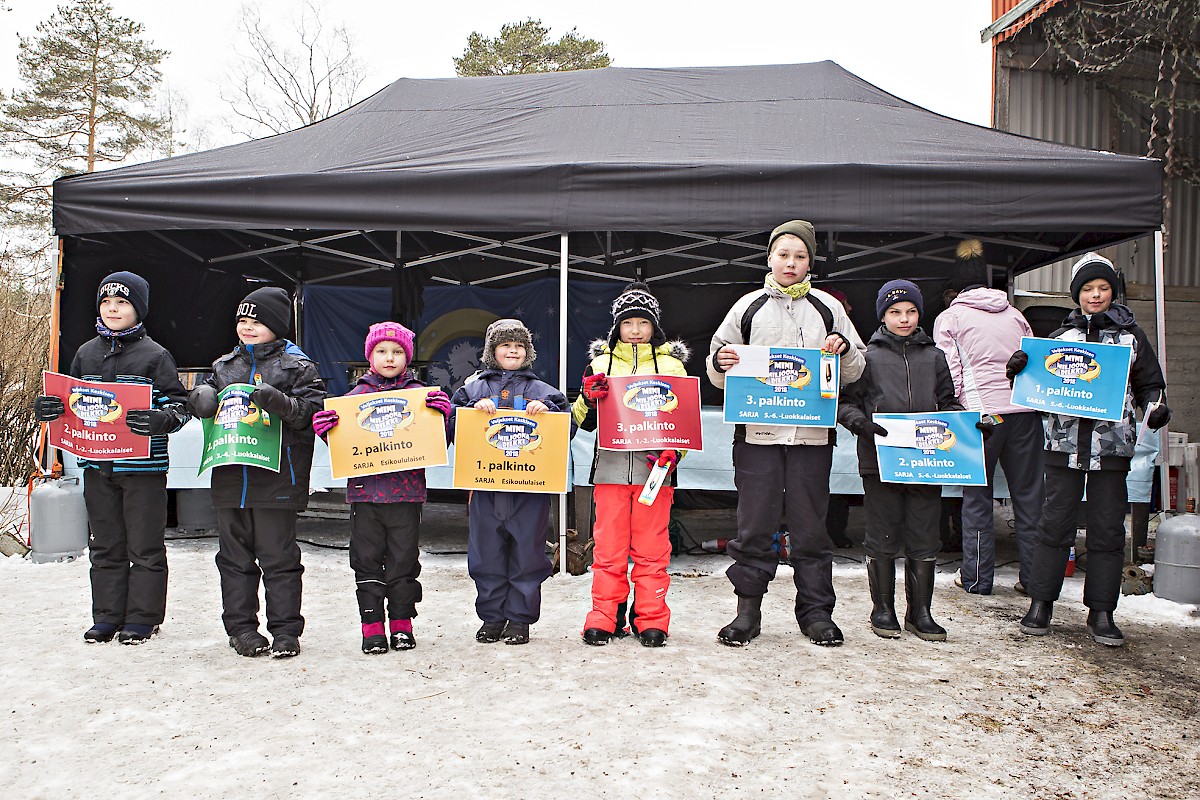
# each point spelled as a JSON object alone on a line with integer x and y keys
{"x": 276, "y": 86}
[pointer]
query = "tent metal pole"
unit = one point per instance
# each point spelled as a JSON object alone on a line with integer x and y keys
{"x": 564, "y": 256}
{"x": 1160, "y": 334}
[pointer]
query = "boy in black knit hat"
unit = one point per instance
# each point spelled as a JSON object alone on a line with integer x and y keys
{"x": 256, "y": 508}
{"x": 127, "y": 499}
{"x": 624, "y": 527}
{"x": 506, "y": 541}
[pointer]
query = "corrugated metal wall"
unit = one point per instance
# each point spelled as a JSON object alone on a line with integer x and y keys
{"x": 1074, "y": 112}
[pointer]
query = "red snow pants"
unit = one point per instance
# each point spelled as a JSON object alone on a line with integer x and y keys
{"x": 625, "y": 529}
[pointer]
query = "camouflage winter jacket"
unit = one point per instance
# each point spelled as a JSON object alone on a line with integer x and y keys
{"x": 1090, "y": 444}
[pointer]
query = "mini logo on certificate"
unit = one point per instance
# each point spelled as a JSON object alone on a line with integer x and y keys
{"x": 511, "y": 435}
{"x": 384, "y": 416}
{"x": 933, "y": 435}
{"x": 649, "y": 397}
{"x": 235, "y": 408}
{"x": 1072, "y": 364}
{"x": 786, "y": 371}
{"x": 93, "y": 406}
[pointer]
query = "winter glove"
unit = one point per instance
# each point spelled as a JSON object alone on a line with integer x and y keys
{"x": 150, "y": 421}
{"x": 271, "y": 400}
{"x": 986, "y": 427}
{"x": 47, "y": 408}
{"x": 868, "y": 428}
{"x": 1016, "y": 362}
{"x": 1160, "y": 416}
{"x": 202, "y": 402}
{"x": 595, "y": 387}
{"x": 439, "y": 401}
{"x": 324, "y": 422}
{"x": 667, "y": 458}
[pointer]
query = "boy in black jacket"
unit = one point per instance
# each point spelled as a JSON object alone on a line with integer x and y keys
{"x": 905, "y": 373}
{"x": 256, "y": 508}
{"x": 506, "y": 540}
{"x": 127, "y": 499}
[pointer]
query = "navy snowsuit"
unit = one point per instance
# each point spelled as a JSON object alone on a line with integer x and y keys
{"x": 506, "y": 542}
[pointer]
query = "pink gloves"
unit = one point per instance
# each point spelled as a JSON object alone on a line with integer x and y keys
{"x": 324, "y": 422}
{"x": 439, "y": 401}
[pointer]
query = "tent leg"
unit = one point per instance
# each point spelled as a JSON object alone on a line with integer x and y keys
{"x": 1160, "y": 334}
{"x": 564, "y": 258}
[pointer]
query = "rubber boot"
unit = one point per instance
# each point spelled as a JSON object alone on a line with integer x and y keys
{"x": 918, "y": 589}
{"x": 1036, "y": 621}
{"x": 1102, "y": 628}
{"x": 881, "y": 577}
{"x": 746, "y": 625}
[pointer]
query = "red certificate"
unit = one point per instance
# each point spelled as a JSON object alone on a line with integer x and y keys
{"x": 650, "y": 412}
{"x": 93, "y": 426}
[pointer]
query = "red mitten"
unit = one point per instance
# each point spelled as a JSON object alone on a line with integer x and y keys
{"x": 595, "y": 387}
{"x": 667, "y": 458}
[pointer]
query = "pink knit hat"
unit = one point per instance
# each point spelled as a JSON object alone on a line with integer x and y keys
{"x": 390, "y": 332}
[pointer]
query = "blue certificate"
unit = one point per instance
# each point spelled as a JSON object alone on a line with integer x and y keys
{"x": 782, "y": 386}
{"x": 1079, "y": 379}
{"x": 943, "y": 448}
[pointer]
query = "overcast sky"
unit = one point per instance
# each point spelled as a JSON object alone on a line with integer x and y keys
{"x": 926, "y": 52}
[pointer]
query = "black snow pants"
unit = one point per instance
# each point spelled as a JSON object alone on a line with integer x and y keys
{"x": 259, "y": 543}
{"x": 384, "y": 554}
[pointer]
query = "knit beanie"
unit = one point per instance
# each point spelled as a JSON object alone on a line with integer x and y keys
{"x": 797, "y": 227}
{"x": 503, "y": 331}
{"x": 970, "y": 267}
{"x": 271, "y": 306}
{"x": 636, "y": 300}
{"x": 390, "y": 332}
{"x": 898, "y": 292}
{"x": 129, "y": 286}
{"x": 1089, "y": 268}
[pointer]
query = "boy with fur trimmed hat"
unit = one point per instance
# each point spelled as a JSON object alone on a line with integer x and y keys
{"x": 506, "y": 540}
{"x": 385, "y": 510}
{"x": 625, "y": 528}
{"x": 127, "y": 499}
{"x": 905, "y": 373}
{"x": 256, "y": 508}
{"x": 1092, "y": 455}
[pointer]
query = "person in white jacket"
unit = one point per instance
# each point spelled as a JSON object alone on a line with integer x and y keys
{"x": 784, "y": 469}
{"x": 978, "y": 333}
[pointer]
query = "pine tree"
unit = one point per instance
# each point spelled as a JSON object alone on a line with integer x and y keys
{"x": 524, "y": 47}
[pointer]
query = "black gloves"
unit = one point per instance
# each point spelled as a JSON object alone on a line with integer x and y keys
{"x": 47, "y": 408}
{"x": 150, "y": 422}
{"x": 867, "y": 428}
{"x": 1016, "y": 362}
{"x": 202, "y": 402}
{"x": 986, "y": 427}
{"x": 271, "y": 400}
{"x": 1160, "y": 416}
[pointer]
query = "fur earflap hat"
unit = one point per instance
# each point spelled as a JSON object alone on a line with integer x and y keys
{"x": 970, "y": 267}
{"x": 1089, "y": 268}
{"x": 390, "y": 332}
{"x": 634, "y": 301}
{"x": 503, "y": 331}
{"x": 271, "y": 306}
{"x": 129, "y": 286}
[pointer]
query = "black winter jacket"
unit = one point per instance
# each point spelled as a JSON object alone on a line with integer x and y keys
{"x": 135, "y": 358}
{"x": 285, "y": 366}
{"x": 903, "y": 375}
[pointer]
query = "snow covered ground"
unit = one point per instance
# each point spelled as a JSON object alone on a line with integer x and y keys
{"x": 990, "y": 713}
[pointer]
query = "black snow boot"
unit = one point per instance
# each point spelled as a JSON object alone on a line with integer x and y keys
{"x": 652, "y": 638}
{"x": 918, "y": 589}
{"x": 1102, "y": 628}
{"x": 100, "y": 632}
{"x": 249, "y": 643}
{"x": 285, "y": 646}
{"x": 746, "y": 625}
{"x": 516, "y": 633}
{"x": 597, "y": 637}
{"x": 881, "y": 577}
{"x": 133, "y": 633}
{"x": 823, "y": 632}
{"x": 490, "y": 632}
{"x": 1036, "y": 621}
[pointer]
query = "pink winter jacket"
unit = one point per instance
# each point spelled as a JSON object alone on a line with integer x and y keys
{"x": 978, "y": 333}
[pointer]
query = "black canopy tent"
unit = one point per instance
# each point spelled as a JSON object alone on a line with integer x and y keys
{"x": 672, "y": 175}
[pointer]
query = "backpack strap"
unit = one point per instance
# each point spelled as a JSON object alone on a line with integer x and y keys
{"x": 748, "y": 318}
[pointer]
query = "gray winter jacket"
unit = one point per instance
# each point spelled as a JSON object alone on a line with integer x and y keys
{"x": 1090, "y": 444}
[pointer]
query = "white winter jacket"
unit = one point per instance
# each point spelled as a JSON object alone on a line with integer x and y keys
{"x": 784, "y": 322}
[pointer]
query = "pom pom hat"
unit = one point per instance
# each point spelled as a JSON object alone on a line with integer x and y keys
{"x": 390, "y": 332}
{"x": 970, "y": 267}
{"x": 129, "y": 286}
{"x": 636, "y": 301}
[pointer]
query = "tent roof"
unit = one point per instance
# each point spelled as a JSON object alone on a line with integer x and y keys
{"x": 696, "y": 149}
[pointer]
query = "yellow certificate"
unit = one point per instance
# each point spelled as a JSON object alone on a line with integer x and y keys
{"x": 385, "y": 432}
{"x": 511, "y": 451}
